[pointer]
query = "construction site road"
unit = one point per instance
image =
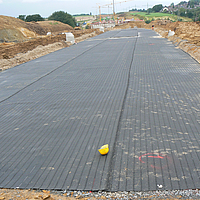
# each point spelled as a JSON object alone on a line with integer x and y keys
{"x": 130, "y": 89}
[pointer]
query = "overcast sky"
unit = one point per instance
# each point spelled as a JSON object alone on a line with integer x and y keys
{"x": 45, "y": 8}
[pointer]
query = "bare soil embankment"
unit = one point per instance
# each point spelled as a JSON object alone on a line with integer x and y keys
{"x": 186, "y": 37}
{"x": 19, "y": 38}
{"x": 21, "y": 41}
{"x": 24, "y": 52}
{"x": 16, "y": 30}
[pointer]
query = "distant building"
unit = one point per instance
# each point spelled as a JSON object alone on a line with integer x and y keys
{"x": 165, "y": 9}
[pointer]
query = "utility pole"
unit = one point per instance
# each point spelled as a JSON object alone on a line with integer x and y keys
{"x": 178, "y": 17}
{"x": 113, "y": 10}
{"x": 100, "y": 13}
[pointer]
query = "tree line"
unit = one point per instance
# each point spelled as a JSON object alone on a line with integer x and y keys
{"x": 60, "y": 16}
{"x": 154, "y": 9}
{"x": 190, "y": 9}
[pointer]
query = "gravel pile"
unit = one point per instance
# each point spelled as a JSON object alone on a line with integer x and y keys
{"x": 159, "y": 194}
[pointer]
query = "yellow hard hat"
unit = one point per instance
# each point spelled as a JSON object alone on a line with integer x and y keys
{"x": 104, "y": 149}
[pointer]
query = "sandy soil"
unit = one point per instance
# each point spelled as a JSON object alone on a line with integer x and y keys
{"x": 21, "y": 41}
{"x": 187, "y": 36}
{"x": 32, "y": 41}
{"x": 27, "y": 194}
{"x": 28, "y": 29}
{"x": 84, "y": 18}
{"x": 17, "y": 194}
{"x": 10, "y": 61}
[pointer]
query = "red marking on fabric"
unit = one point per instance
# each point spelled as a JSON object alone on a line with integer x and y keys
{"x": 156, "y": 157}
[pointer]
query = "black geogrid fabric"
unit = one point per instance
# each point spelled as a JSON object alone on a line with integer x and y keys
{"x": 158, "y": 141}
{"x": 51, "y": 130}
{"x": 139, "y": 95}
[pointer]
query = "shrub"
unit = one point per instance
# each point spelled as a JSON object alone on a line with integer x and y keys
{"x": 63, "y": 17}
{"x": 147, "y": 21}
{"x": 34, "y": 18}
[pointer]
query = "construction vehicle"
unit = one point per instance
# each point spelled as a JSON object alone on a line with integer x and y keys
{"x": 77, "y": 28}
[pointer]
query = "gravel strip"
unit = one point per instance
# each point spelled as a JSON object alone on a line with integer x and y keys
{"x": 159, "y": 194}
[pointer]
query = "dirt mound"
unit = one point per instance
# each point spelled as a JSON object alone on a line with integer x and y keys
{"x": 54, "y": 26}
{"x": 16, "y": 30}
{"x": 10, "y": 22}
{"x": 189, "y": 31}
{"x": 33, "y": 54}
{"x": 78, "y": 33}
{"x": 9, "y": 29}
{"x": 11, "y": 50}
{"x": 186, "y": 37}
{"x": 11, "y": 35}
{"x": 160, "y": 22}
{"x": 138, "y": 24}
{"x": 15, "y": 54}
{"x": 35, "y": 27}
{"x": 122, "y": 15}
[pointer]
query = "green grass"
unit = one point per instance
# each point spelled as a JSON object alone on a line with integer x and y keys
{"x": 156, "y": 16}
{"x": 152, "y": 14}
{"x": 53, "y": 23}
